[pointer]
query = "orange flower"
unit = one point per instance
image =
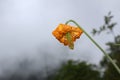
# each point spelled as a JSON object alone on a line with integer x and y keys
{"x": 67, "y": 34}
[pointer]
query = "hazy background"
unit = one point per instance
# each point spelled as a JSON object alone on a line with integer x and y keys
{"x": 26, "y": 26}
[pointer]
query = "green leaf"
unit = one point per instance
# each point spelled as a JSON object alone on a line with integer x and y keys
{"x": 111, "y": 26}
{"x": 69, "y": 38}
{"x": 94, "y": 31}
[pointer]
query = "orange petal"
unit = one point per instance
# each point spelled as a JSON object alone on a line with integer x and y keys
{"x": 64, "y": 41}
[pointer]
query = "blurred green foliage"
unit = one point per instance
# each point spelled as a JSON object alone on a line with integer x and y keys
{"x": 107, "y": 26}
{"x": 74, "y": 70}
{"x": 113, "y": 50}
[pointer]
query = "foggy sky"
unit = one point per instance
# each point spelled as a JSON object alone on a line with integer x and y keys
{"x": 26, "y": 26}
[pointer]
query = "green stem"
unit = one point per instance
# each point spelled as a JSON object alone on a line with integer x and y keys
{"x": 110, "y": 59}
